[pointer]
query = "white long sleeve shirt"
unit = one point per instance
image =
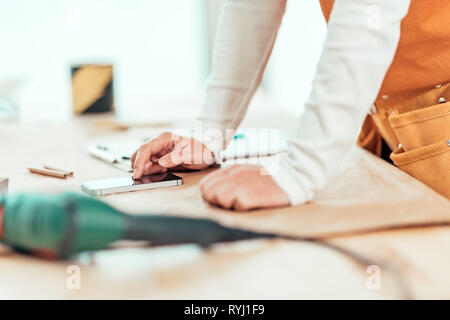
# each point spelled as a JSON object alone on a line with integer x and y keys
{"x": 360, "y": 46}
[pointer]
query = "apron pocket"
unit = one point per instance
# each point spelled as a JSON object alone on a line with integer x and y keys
{"x": 422, "y": 127}
{"x": 429, "y": 164}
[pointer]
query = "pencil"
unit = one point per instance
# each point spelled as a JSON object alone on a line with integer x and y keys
{"x": 53, "y": 168}
{"x": 50, "y": 173}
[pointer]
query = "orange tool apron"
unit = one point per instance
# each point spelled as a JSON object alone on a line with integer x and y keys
{"x": 416, "y": 126}
{"x": 412, "y": 111}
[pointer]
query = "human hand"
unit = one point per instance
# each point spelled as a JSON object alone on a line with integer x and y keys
{"x": 169, "y": 150}
{"x": 242, "y": 187}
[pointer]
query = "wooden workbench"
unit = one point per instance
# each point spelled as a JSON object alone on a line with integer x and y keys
{"x": 363, "y": 210}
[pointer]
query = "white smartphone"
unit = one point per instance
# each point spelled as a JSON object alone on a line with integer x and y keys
{"x": 127, "y": 184}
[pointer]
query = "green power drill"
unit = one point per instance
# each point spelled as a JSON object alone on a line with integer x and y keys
{"x": 68, "y": 223}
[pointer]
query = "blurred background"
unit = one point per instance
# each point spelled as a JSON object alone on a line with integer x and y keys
{"x": 160, "y": 51}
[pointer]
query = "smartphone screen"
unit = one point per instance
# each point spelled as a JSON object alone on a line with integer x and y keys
{"x": 124, "y": 184}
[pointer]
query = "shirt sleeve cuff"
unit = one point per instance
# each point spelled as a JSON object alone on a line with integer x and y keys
{"x": 287, "y": 179}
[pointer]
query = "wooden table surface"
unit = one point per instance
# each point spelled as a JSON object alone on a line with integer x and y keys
{"x": 371, "y": 217}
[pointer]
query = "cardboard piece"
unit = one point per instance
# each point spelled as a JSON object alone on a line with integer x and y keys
{"x": 368, "y": 194}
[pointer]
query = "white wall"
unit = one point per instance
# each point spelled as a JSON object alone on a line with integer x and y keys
{"x": 291, "y": 69}
{"x": 160, "y": 50}
{"x": 154, "y": 44}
